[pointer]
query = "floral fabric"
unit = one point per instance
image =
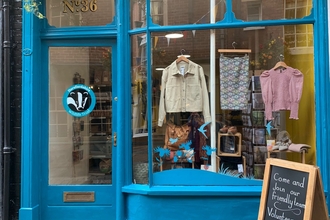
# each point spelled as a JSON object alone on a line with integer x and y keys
{"x": 234, "y": 82}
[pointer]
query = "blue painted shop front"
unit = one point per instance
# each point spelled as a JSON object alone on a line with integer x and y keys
{"x": 94, "y": 125}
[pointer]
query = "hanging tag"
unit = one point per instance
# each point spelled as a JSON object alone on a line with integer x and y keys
{"x": 182, "y": 70}
{"x": 240, "y": 168}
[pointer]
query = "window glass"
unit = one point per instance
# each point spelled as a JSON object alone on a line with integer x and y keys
{"x": 247, "y": 130}
{"x": 139, "y": 109}
{"x": 172, "y": 110}
{"x": 80, "y": 115}
{"x": 138, "y": 13}
{"x": 252, "y": 10}
{"x": 171, "y": 12}
{"x": 79, "y": 13}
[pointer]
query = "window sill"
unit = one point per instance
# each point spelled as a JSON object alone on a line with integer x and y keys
{"x": 192, "y": 190}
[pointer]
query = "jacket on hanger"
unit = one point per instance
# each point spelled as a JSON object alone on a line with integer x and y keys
{"x": 183, "y": 89}
{"x": 281, "y": 90}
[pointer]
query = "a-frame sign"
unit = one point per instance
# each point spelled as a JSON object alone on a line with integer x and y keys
{"x": 292, "y": 191}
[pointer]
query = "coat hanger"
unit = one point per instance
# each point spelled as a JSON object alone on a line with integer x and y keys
{"x": 280, "y": 63}
{"x": 182, "y": 57}
{"x": 234, "y": 50}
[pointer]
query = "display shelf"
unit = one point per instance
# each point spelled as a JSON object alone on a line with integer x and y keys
{"x": 100, "y": 130}
{"x": 229, "y": 145}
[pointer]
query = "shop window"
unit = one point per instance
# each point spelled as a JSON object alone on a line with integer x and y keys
{"x": 175, "y": 109}
{"x": 79, "y": 13}
{"x": 182, "y": 138}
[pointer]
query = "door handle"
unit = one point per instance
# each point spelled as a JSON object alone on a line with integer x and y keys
{"x": 115, "y": 139}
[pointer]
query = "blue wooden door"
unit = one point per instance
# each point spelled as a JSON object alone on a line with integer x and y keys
{"x": 78, "y": 152}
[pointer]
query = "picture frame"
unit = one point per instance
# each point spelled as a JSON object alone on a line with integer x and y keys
{"x": 258, "y": 118}
{"x": 259, "y": 136}
{"x": 257, "y": 101}
{"x": 259, "y": 170}
{"x": 256, "y": 86}
{"x": 260, "y": 154}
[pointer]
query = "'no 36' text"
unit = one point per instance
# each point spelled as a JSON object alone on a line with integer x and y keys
{"x": 82, "y": 5}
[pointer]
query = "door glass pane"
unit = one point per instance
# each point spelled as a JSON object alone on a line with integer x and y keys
{"x": 79, "y": 13}
{"x": 80, "y": 115}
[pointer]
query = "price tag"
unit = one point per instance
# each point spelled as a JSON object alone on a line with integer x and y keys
{"x": 240, "y": 168}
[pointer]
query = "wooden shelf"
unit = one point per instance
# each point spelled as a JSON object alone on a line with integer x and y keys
{"x": 302, "y": 154}
{"x": 238, "y": 145}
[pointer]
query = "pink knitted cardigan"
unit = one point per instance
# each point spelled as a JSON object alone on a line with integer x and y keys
{"x": 281, "y": 90}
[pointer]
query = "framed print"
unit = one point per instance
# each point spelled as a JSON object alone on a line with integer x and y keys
{"x": 258, "y": 118}
{"x": 259, "y": 136}
{"x": 256, "y": 86}
{"x": 260, "y": 154}
{"x": 257, "y": 101}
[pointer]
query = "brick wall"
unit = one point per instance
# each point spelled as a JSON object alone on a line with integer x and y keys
{"x": 16, "y": 97}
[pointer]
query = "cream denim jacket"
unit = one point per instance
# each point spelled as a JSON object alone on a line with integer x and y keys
{"x": 183, "y": 89}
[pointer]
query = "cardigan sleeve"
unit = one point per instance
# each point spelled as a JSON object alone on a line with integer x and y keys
{"x": 267, "y": 93}
{"x": 295, "y": 91}
{"x": 162, "y": 110}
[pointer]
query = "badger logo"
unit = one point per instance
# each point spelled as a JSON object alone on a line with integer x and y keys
{"x": 79, "y": 100}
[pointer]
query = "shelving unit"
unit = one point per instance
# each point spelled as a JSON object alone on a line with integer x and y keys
{"x": 254, "y": 132}
{"x": 100, "y": 131}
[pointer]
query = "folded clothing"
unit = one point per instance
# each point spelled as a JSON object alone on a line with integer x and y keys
{"x": 299, "y": 147}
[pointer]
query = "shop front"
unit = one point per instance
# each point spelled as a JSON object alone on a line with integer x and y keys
{"x": 161, "y": 109}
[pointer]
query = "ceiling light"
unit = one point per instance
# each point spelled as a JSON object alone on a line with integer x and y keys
{"x": 159, "y": 69}
{"x": 174, "y": 35}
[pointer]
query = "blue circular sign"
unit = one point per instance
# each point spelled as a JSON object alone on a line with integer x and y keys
{"x": 79, "y": 100}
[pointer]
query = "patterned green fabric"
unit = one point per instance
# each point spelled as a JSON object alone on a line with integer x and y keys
{"x": 234, "y": 82}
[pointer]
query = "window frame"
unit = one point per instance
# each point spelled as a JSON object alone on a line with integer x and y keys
{"x": 228, "y": 22}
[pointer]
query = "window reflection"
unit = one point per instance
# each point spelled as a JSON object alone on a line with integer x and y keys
{"x": 249, "y": 10}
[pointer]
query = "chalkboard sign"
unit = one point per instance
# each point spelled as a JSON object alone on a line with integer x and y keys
{"x": 292, "y": 191}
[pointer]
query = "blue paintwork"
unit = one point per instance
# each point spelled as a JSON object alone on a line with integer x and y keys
{"x": 322, "y": 92}
{"x": 195, "y": 177}
{"x": 173, "y": 194}
{"x": 143, "y": 207}
{"x": 30, "y": 165}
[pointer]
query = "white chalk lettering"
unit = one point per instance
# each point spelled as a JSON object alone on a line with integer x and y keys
{"x": 300, "y": 184}
{"x": 294, "y": 193}
{"x": 300, "y": 205}
{"x": 273, "y": 214}
{"x": 277, "y": 188}
{"x": 286, "y": 199}
{"x": 281, "y": 179}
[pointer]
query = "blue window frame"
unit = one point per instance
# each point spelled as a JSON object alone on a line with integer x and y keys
{"x": 152, "y": 34}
